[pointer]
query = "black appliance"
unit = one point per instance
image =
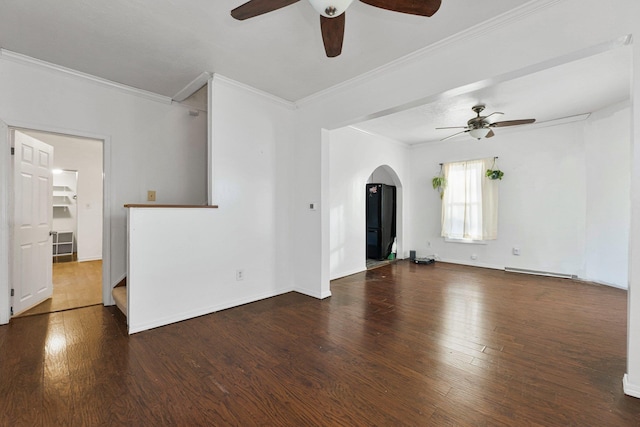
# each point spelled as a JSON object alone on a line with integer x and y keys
{"x": 381, "y": 220}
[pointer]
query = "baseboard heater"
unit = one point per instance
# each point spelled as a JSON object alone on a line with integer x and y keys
{"x": 539, "y": 273}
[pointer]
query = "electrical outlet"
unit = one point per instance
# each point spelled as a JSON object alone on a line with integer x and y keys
{"x": 151, "y": 196}
{"x": 239, "y": 275}
{"x": 428, "y": 244}
{"x": 516, "y": 251}
{"x": 474, "y": 256}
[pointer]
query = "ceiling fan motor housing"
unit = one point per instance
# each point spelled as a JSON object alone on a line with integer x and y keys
{"x": 477, "y": 123}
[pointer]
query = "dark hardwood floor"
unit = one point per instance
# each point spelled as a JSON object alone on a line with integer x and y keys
{"x": 404, "y": 344}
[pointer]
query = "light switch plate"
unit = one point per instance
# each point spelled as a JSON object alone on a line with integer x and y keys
{"x": 151, "y": 196}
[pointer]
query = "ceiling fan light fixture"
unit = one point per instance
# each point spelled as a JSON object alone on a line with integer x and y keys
{"x": 479, "y": 133}
{"x": 330, "y": 8}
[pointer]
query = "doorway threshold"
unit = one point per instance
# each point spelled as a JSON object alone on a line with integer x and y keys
{"x": 374, "y": 263}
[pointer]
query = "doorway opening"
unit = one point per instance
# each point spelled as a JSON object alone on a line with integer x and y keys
{"x": 76, "y": 222}
{"x": 381, "y": 195}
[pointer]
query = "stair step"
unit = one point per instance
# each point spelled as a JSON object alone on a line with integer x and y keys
{"x": 120, "y": 297}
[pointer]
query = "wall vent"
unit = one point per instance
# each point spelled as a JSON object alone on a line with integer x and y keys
{"x": 539, "y": 273}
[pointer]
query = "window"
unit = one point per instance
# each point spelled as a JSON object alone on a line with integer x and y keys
{"x": 470, "y": 201}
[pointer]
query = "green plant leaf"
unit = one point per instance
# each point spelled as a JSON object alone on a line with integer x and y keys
{"x": 494, "y": 174}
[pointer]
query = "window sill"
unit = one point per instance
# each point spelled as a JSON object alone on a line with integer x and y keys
{"x": 466, "y": 241}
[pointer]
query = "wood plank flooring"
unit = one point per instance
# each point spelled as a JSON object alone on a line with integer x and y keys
{"x": 75, "y": 284}
{"x": 404, "y": 344}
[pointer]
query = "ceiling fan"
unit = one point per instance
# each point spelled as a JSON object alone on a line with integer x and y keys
{"x": 332, "y": 14}
{"x": 481, "y": 126}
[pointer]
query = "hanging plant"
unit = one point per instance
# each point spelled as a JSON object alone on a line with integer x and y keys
{"x": 494, "y": 173}
{"x": 439, "y": 182}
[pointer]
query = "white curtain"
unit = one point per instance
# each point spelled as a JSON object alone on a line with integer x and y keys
{"x": 470, "y": 201}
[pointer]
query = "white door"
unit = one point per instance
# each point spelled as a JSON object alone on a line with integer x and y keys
{"x": 32, "y": 249}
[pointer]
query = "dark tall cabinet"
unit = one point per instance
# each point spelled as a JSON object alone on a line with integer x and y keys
{"x": 381, "y": 220}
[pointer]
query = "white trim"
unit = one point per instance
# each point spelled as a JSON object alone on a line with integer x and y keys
{"x": 466, "y": 241}
{"x": 218, "y": 78}
{"x": 470, "y": 33}
{"x": 107, "y": 298}
{"x": 178, "y": 317}
{"x": 89, "y": 259}
{"x": 5, "y": 227}
{"x": 630, "y": 389}
{"x": 24, "y": 59}
{"x": 192, "y": 87}
{"x": 313, "y": 293}
{"x": 601, "y": 283}
{"x": 348, "y": 273}
{"x": 210, "y": 129}
{"x": 469, "y": 264}
{"x": 17, "y": 124}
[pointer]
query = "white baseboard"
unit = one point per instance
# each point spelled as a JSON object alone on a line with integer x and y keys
{"x": 201, "y": 311}
{"x": 89, "y": 259}
{"x": 348, "y": 273}
{"x": 600, "y": 282}
{"x": 471, "y": 264}
{"x": 314, "y": 294}
{"x": 630, "y": 389}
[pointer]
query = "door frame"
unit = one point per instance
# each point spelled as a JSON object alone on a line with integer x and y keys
{"x": 6, "y": 210}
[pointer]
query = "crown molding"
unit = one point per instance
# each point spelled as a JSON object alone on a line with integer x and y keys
{"x": 27, "y": 60}
{"x": 219, "y": 78}
{"x": 477, "y": 30}
{"x": 192, "y": 87}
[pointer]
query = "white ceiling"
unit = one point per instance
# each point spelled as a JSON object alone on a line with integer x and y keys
{"x": 573, "y": 88}
{"x": 162, "y": 45}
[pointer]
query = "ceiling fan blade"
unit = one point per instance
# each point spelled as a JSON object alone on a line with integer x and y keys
{"x": 413, "y": 7}
{"x": 453, "y": 127}
{"x": 492, "y": 114}
{"x": 455, "y": 134}
{"x": 490, "y": 134}
{"x": 258, "y": 7}
{"x": 332, "y": 34}
{"x": 512, "y": 123}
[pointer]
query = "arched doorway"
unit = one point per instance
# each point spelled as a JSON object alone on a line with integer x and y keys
{"x": 383, "y": 205}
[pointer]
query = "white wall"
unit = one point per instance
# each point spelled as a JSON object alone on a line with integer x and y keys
{"x": 181, "y": 266}
{"x": 354, "y": 156}
{"x": 252, "y": 157}
{"x": 608, "y": 152}
{"x": 150, "y": 143}
{"x": 84, "y": 156}
{"x": 541, "y": 203}
{"x": 557, "y": 204}
{"x": 202, "y": 250}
